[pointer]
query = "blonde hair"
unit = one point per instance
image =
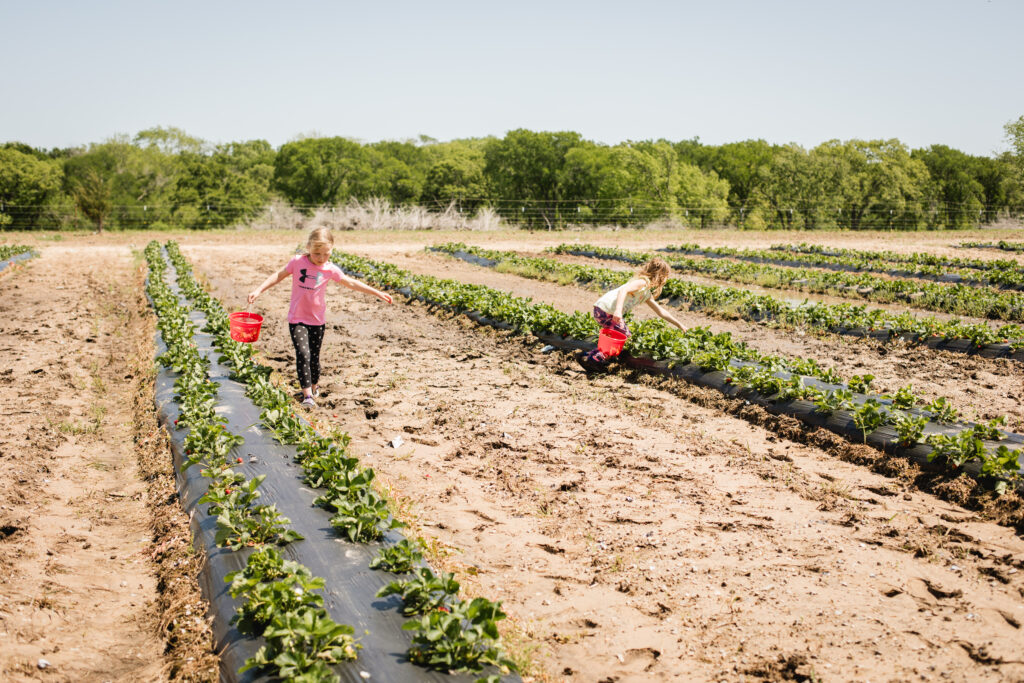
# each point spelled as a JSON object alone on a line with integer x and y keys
{"x": 320, "y": 236}
{"x": 657, "y": 273}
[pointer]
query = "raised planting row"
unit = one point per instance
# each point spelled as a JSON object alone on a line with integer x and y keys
{"x": 12, "y": 253}
{"x": 1004, "y": 278}
{"x": 1001, "y": 244}
{"x": 300, "y": 638}
{"x": 449, "y": 634}
{"x": 953, "y": 335}
{"x": 1010, "y": 276}
{"x": 798, "y": 387}
{"x": 949, "y": 298}
{"x": 940, "y": 264}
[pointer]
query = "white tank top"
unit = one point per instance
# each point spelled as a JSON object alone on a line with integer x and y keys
{"x": 607, "y": 302}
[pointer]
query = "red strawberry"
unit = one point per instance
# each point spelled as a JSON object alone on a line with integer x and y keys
{"x": 238, "y": 460}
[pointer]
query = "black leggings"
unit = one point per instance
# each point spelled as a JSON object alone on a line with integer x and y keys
{"x": 307, "y": 340}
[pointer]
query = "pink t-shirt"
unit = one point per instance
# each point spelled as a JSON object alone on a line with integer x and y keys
{"x": 309, "y": 284}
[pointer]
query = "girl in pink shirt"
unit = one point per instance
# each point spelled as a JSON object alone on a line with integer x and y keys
{"x": 310, "y": 273}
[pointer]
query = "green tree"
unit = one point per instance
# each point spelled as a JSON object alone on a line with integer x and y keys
{"x": 790, "y": 188}
{"x": 92, "y": 179}
{"x": 1014, "y": 189}
{"x": 874, "y": 183}
{"x": 1015, "y": 136}
{"x": 706, "y": 192}
{"x": 320, "y": 171}
{"x": 28, "y": 183}
{"x": 170, "y": 141}
{"x": 523, "y": 169}
{"x": 91, "y": 191}
{"x": 1003, "y": 183}
{"x": 621, "y": 184}
{"x": 455, "y": 176}
{"x": 741, "y": 164}
{"x": 956, "y": 196}
{"x": 123, "y": 178}
{"x": 223, "y": 188}
{"x": 389, "y": 177}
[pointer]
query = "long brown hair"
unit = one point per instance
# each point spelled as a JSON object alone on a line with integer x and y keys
{"x": 657, "y": 273}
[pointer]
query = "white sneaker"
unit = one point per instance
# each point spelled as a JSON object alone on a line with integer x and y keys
{"x": 309, "y": 402}
{"x": 316, "y": 393}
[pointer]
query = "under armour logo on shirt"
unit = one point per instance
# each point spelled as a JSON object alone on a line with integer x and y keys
{"x": 317, "y": 278}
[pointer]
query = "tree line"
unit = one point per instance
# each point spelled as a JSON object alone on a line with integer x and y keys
{"x": 165, "y": 178}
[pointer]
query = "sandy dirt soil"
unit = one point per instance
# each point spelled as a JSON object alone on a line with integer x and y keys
{"x": 635, "y": 528}
{"x": 80, "y": 598}
{"x": 635, "y": 535}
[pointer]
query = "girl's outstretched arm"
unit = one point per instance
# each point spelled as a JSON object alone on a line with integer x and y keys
{"x": 268, "y": 283}
{"x": 360, "y": 286}
{"x": 664, "y": 314}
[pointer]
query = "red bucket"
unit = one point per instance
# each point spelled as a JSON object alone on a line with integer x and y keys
{"x": 610, "y": 342}
{"x": 245, "y": 326}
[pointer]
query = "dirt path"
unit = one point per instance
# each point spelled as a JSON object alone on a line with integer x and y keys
{"x": 635, "y": 536}
{"x": 76, "y": 602}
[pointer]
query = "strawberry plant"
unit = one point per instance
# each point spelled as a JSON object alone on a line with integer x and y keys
{"x": 991, "y": 430}
{"x": 264, "y": 599}
{"x": 766, "y": 383}
{"x": 325, "y": 468}
{"x": 795, "y": 389}
{"x": 999, "y": 270}
{"x": 303, "y": 644}
{"x": 399, "y": 558}
{"x": 908, "y": 428}
{"x": 956, "y": 450}
{"x": 210, "y": 443}
{"x": 343, "y": 485}
{"x": 229, "y": 489}
{"x": 860, "y": 384}
{"x": 462, "y": 639}
{"x": 868, "y": 417}
{"x": 942, "y": 411}
{"x": 314, "y": 447}
{"x": 286, "y": 426}
{"x": 241, "y": 527}
{"x": 363, "y": 517}
{"x": 996, "y": 466}
{"x": 9, "y": 250}
{"x": 423, "y": 592}
{"x": 270, "y": 584}
{"x": 904, "y": 398}
{"x": 833, "y": 400}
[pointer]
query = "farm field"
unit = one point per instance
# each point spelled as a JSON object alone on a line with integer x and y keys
{"x": 634, "y": 527}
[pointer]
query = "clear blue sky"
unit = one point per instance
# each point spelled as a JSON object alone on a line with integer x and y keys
{"x": 923, "y": 71}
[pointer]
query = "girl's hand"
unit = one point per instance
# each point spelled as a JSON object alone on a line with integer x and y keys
{"x": 252, "y": 296}
{"x": 617, "y": 319}
{"x": 385, "y": 297}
